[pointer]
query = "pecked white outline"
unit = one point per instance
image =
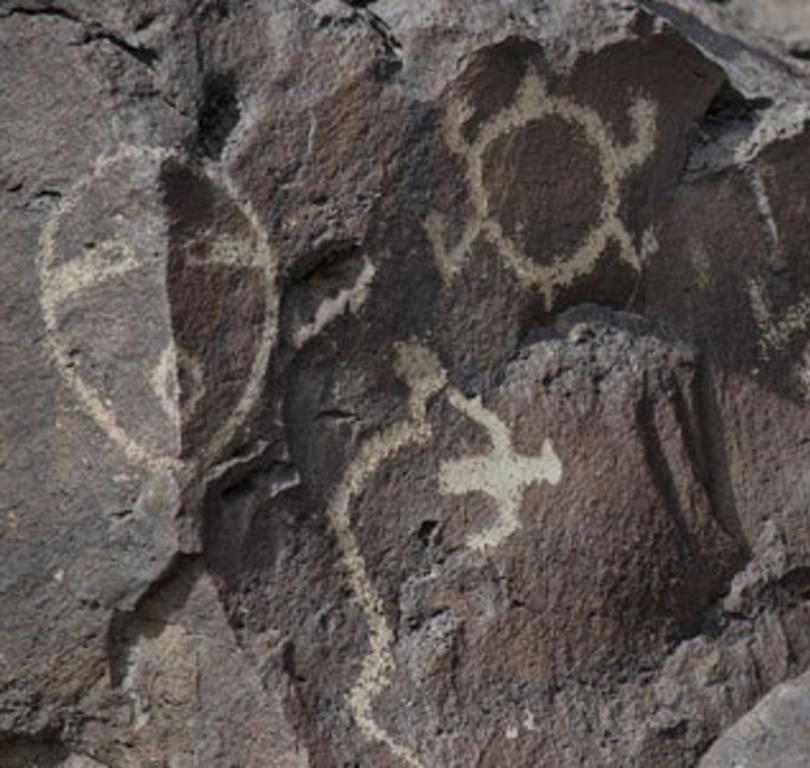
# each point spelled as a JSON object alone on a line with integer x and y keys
{"x": 81, "y": 273}
{"x": 534, "y": 102}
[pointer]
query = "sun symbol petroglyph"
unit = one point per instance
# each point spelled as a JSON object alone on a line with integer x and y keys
{"x": 533, "y": 103}
{"x": 84, "y": 248}
{"x": 775, "y": 332}
{"x": 501, "y": 474}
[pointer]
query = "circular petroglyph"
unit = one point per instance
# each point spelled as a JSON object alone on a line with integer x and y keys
{"x": 159, "y": 301}
{"x": 534, "y": 104}
{"x": 543, "y": 206}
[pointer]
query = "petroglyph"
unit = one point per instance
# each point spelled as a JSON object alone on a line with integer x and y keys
{"x": 11, "y": 523}
{"x": 701, "y": 262}
{"x": 95, "y": 266}
{"x": 175, "y": 363}
{"x": 528, "y": 723}
{"x": 421, "y": 371}
{"x": 66, "y": 275}
{"x": 348, "y": 299}
{"x": 764, "y": 209}
{"x": 189, "y": 370}
{"x": 501, "y": 474}
{"x": 534, "y": 102}
{"x": 775, "y": 333}
{"x": 804, "y": 372}
{"x": 165, "y": 383}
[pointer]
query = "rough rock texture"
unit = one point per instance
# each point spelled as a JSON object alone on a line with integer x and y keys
{"x": 404, "y": 383}
{"x": 775, "y": 733}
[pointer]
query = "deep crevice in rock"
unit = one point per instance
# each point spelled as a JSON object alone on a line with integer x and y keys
{"x": 728, "y": 109}
{"x": 713, "y": 463}
{"x": 52, "y": 11}
{"x": 141, "y": 54}
{"x": 218, "y": 115}
{"x": 662, "y": 472}
{"x": 728, "y": 121}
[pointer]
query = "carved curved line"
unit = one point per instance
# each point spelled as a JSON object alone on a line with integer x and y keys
{"x": 51, "y": 294}
{"x": 103, "y": 415}
{"x": 265, "y": 258}
{"x": 421, "y": 371}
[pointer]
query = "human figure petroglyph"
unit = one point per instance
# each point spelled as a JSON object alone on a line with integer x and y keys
{"x": 67, "y": 276}
{"x": 532, "y": 103}
{"x": 502, "y": 474}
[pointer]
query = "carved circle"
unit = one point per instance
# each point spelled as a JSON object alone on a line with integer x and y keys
{"x": 534, "y": 103}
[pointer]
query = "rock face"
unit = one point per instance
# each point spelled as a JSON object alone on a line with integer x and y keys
{"x": 774, "y": 733}
{"x": 404, "y": 383}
